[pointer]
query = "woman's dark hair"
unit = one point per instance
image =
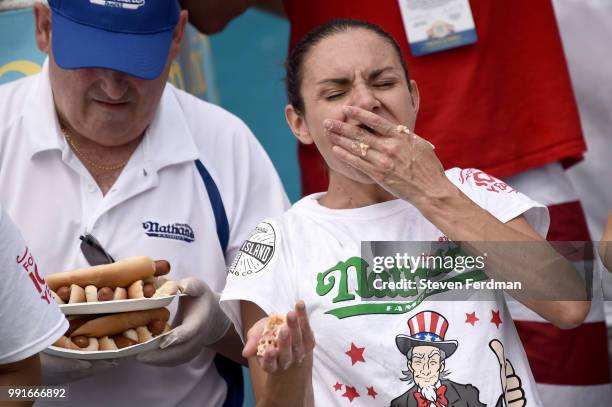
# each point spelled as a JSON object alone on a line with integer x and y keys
{"x": 293, "y": 80}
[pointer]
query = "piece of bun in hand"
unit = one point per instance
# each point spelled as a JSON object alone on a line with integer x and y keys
{"x": 269, "y": 337}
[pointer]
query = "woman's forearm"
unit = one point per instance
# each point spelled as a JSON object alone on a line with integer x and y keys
{"x": 289, "y": 388}
{"x": 550, "y": 285}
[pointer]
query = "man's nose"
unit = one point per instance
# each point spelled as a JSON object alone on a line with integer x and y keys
{"x": 114, "y": 84}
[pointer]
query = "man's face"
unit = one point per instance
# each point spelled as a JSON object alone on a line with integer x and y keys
{"x": 105, "y": 106}
{"x": 108, "y": 107}
{"x": 426, "y": 365}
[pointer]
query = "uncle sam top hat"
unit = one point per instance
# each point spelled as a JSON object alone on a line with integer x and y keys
{"x": 426, "y": 328}
{"x": 129, "y": 36}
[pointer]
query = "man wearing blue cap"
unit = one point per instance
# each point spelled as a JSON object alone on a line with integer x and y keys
{"x": 98, "y": 144}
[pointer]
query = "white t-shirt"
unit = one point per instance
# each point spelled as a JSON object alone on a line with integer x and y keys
{"x": 29, "y": 316}
{"x": 313, "y": 253}
{"x": 158, "y": 206}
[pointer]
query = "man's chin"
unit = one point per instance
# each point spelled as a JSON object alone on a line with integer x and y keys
{"x": 112, "y": 136}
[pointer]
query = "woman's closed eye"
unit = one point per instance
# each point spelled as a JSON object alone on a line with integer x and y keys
{"x": 334, "y": 95}
{"x": 384, "y": 84}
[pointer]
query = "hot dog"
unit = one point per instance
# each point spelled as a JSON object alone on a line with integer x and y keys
{"x": 117, "y": 323}
{"x": 134, "y": 277}
{"x": 119, "y": 274}
{"x": 128, "y": 338}
{"x": 115, "y": 331}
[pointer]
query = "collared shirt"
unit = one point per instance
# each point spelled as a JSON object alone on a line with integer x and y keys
{"x": 54, "y": 199}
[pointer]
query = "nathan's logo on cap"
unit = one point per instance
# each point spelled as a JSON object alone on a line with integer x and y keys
{"x": 127, "y": 4}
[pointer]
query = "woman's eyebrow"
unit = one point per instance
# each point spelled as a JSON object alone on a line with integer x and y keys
{"x": 334, "y": 81}
{"x": 346, "y": 81}
{"x": 377, "y": 72}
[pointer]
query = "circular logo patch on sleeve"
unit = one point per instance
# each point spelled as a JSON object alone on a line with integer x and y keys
{"x": 256, "y": 252}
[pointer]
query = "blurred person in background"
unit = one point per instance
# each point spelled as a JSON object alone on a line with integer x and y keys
{"x": 586, "y": 31}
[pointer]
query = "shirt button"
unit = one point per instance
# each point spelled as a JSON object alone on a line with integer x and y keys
{"x": 91, "y": 187}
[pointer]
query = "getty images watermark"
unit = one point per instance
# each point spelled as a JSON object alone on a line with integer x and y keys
{"x": 445, "y": 261}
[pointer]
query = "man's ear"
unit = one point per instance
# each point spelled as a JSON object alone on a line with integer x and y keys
{"x": 298, "y": 125}
{"x": 42, "y": 18}
{"x": 177, "y": 36}
{"x": 414, "y": 95}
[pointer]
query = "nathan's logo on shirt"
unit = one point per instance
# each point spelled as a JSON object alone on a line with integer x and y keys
{"x": 256, "y": 252}
{"x": 125, "y": 4}
{"x": 176, "y": 231}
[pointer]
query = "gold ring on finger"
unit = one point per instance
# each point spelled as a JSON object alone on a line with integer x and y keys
{"x": 363, "y": 147}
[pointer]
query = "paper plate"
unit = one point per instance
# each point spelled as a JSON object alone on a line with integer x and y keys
{"x": 111, "y": 307}
{"x": 107, "y": 354}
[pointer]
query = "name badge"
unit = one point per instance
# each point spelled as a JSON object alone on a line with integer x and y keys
{"x": 437, "y": 25}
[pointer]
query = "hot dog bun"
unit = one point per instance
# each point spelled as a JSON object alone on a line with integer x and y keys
{"x": 107, "y": 343}
{"x": 144, "y": 334}
{"x": 119, "y": 274}
{"x": 168, "y": 288}
{"x": 120, "y": 294}
{"x": 77, "y": 294}
{"x": 64, "y": 342}
{"x": 135, "y": 290}
{"x": 91, "y": 293}
{"x": 269, "y": 337}
{"x": 117, "y": 323}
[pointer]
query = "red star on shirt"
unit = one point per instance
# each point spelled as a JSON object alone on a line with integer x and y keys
{"x": 350, "y": 393}
{"x": 337, "y": 386}
{"x": 471, "y": 318}
{"x": 356, "y": 354}
{"x": 495, "y": 318}
{"x": 372, "y": 392}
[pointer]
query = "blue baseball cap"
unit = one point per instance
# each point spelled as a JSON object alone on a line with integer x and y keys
{"x": 129, "y": 36}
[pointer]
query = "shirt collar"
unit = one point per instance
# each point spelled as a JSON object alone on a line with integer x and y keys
{"x": 167, "y": 141}
{"x": 42, "y": 128}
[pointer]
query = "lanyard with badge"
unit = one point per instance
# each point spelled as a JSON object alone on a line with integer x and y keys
{"x": 437, "y": 25}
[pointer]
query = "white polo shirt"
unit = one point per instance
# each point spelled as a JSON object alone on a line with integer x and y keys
{"x": 157, "y": 207}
